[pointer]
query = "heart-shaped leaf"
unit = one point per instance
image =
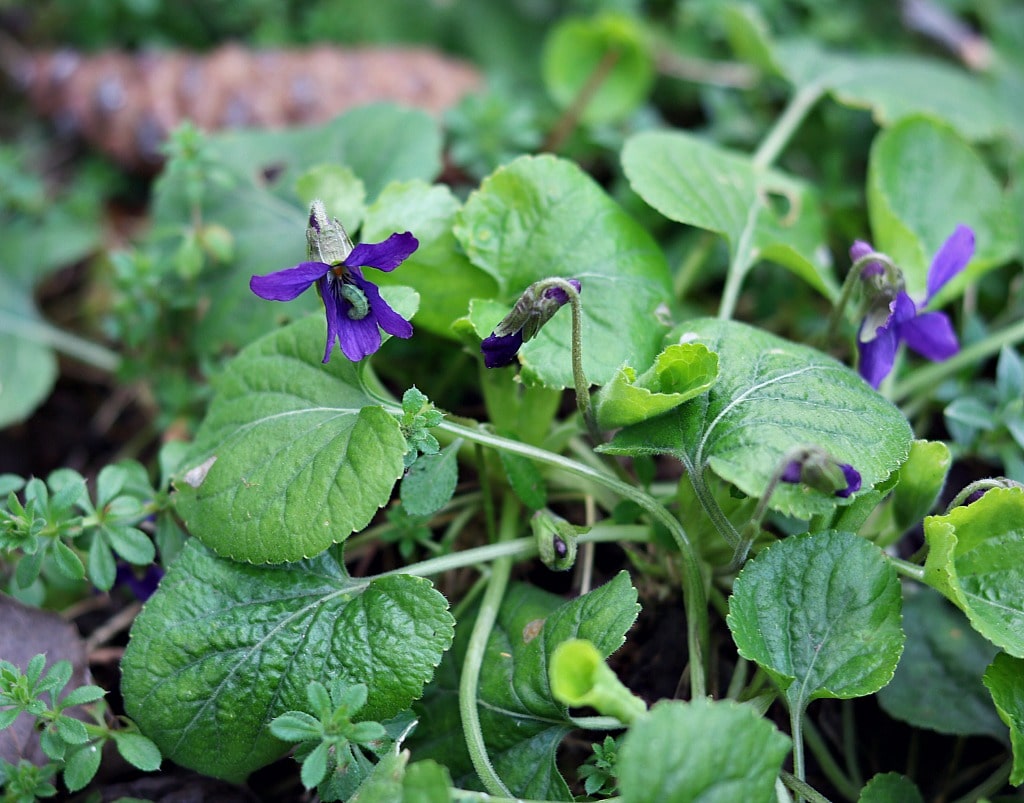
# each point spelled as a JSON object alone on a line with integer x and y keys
{"x": 704, "y": 750}
{"x": 696, "y": 182}
{"x": 293, "y": 455}
{"x": 821, "y": 614}
{"x": 772, "y": 396}
{"x": 946, "y": 657}
{"x": 222, "y": 648}
{"x": 541, "y": 216}
{"x": 923, "y": 181}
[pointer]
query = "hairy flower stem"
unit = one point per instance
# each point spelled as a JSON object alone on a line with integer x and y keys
{"x": 579, "y": 378}
{"x": 469, "y": 683}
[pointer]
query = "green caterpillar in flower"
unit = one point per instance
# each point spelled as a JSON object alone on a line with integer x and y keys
{"x": 353, "y": 295}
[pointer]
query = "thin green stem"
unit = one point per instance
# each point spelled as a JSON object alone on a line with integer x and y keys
{"x": 802, "y": 789}
{"x": 691, "y": 267}
{"x": 786, "y": 125}
{"x": 990, "y": 786}
{"x": 693, "y": 581}
{"x": 73, "y": 346}
{"x": 796, "y": 731}
{"x": 519, "y": 548}
{"x": 850, "y": 744}
{"x": 766, "y": 154}
{"x": 907, "y": 569}
{"x": 469, "y": 683}
{"x": 741, "y": 262}
{"x": 927, "y": 377}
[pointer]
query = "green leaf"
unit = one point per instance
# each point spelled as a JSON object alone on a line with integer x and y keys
{"x": 821, "y": 614}
{"x": 693, "y": 181}
{"x": 28, "y": 367}
{"x": 301, "y": 457}
{"x": 80, "y": 766}
{"x": 429, "y": 484}
{"x": 541, "y": 216}
{"x": 921, "y": 480}
{"x": 947, "y": 658}
{"x": 66, "y": 560}
{"x": 296, "y": 726}
{"x": 682, "y": 371}
{"x": 772, "y": 396}
{"x": 438, "y": 270}
{"x": 923, "y": 180}
{"x": 1005, "y": 680}
{"x": 976, "y": 559}
{"x": 131, "y": 544}
{"x": 82, "y": 695}
{"x": 384, "y": 783}
{"x": 522, "y": 723}
{"x": 610, "y": 46}
{"x": 526, "y": 479}
{"x": 222, "y": 648}
{"x": 897, "y": 86}
{"x": 102, "y": 568}
{"x": 971, "y": 412}
{"x": 890, "y": 787}
{"x": 709, "y": 751}
{"x": 426, "y": 782}
{"x": 314, "y": 766}
{"x": 137, "y": 750}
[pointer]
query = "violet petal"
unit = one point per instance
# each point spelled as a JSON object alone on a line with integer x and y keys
{"x": 951, "y": 258}
{"x": 931, "y": 335}
{"x": 852, "y": 480}
{"x": 388, "y": 320}
{"x": 385, "y": 256}
{"x": 877, "y": 356}
{"x": 284, "y": 285}
{"x": 501, "y": 350}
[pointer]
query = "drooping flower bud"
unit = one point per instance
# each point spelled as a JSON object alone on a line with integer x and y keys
{"x": 556, "y": 539}
{"x": 534, "y": 308}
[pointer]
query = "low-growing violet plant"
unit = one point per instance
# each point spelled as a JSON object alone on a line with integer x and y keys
{"x": 773, "y": 485}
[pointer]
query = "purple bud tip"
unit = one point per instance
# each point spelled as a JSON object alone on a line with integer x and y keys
{"x": 792, "y": 471}
{"x": 852, "y": 480}
{"x": 560, "y": 548}
{"x": 559, "y": 295}
{"x": 313, "y": 223}
{"x": 974, "y": 496}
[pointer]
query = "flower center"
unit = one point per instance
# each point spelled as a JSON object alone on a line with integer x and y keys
{"x": 340, "y": 283}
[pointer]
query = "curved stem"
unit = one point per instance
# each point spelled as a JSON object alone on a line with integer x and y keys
{"x": 786, "y": 125}
{"x": 693, "y": 581}
{"x": 469, "y": 683}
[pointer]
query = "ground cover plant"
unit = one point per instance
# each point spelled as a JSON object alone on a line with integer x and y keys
{"x": 649, "y": 426}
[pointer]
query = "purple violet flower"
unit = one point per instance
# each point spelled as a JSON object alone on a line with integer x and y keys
{"x": 353, "y": 304}
{"x": 530, "y": 313}
{"x": 930, "y": 334}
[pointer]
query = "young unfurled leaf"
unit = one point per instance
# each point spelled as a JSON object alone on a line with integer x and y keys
{"x": 976, "y": 559}
{"x": 680, "y": 372}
